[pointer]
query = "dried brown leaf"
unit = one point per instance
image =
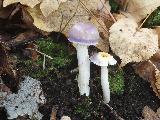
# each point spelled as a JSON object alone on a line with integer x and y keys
{"x": 149, "y": 114}
{"x": 5, "y": 12}
{"x": 48, "y": 6}
{"x": 31, "y": 53}
{"x": 54, "y": 113}
{"x": 140, "y": 8}
{"x": 24, "y": 37}
{"x": 5, "y": 66}
{"x": 147, "y": 71}
{"x": 68, "y": 14}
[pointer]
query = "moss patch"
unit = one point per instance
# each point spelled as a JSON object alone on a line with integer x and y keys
{"x": 117, "y": 82}
{"x": 59, "y": 53}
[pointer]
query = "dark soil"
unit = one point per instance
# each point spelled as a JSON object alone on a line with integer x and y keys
{"x": 63, "y": 93}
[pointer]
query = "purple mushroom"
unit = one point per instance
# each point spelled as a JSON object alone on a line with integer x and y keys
{"x": 83, "y": 35}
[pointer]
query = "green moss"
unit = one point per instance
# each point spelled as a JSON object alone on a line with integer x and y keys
{"x": 83, "y": 108}
{"x": 117, "y": 82}
{"x": 114, "y": 6}
{"x": 59, "y": 53}
{"x": 154, "y": 19}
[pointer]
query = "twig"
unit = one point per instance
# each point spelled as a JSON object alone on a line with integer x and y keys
{"x": 40, "y": 53}
{"x": 110, "y": 14}
{"x": 114, "y": 112}
{"x": 84, "y": 6}
{"x": 153, "y": 64}
{"x": 44, "y": 56}
{"x": 144, "y": 21}
{"x": 61, "y": 30}
{"x": 44, "y": 62}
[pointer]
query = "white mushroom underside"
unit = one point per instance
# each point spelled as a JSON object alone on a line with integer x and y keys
{"x": 84, "y": 69}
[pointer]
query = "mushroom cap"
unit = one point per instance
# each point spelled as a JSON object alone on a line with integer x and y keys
{"x": 103, "y": 59}
{"x": 84, "y": 33}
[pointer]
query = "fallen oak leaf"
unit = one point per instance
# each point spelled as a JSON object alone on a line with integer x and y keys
{"x": 68, "y": 14}
{"x": 141, "y": 44}
{"x": 48, "y": 6}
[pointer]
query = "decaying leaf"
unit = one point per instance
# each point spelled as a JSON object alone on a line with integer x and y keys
{"x": 54, "y": 113}
{"x": 30, "y": 3}
{"x": 149, "y": 114}
{"x": 157, "y": 80}
{"x": 5, "y": 67}
{"x": 23, "y": 37}
{"x": 67, "y": 15}
{"x": 48, "y": 6}
{"x": 5, "y": 12}
{"x": 130, "y": 44}
{"x": 140, "y": 8}
{"x": 147, "y": 71}
{"x": 30, "y": 51}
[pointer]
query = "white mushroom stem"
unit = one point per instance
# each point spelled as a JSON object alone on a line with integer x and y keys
{"x": 105, "y": 84}
{"x": 84, "y": 69}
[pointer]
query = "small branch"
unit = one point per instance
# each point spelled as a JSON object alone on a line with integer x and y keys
{"x": 44, "y": 62}
{"x": 84, "y": 6}
{"x": 144, "y": 21}
{"x": 110, "y": 14}
{"x": 153, "y": 64}
{"x": 114, "y": 112}
{"x": 40, "y": 53}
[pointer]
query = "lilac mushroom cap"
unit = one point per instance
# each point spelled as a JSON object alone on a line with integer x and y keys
{"x": 84, "y": 33}
{"x": 103, "y": 59}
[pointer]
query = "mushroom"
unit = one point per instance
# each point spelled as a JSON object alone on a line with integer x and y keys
{"x": 83, "y": 35}
{"x": 104, "y": 59}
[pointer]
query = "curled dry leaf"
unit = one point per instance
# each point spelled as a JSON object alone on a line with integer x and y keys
{"x": 30, "y": 3}
{"x": 140, "y": 8}
{"x": 147, "y": 71}
{"x": 130, "y": 44}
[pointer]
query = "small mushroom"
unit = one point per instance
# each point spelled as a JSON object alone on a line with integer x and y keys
{"x": 83, "y": 35}
{"x": 104, "y": 59}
